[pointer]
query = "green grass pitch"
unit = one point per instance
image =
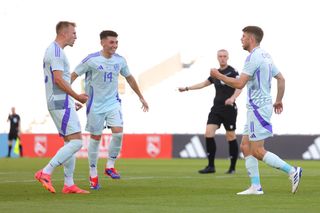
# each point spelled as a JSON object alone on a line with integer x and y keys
{"x": 150, "y": 185}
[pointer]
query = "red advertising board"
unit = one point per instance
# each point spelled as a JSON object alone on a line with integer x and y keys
{"x": 147, "y": 146}
{"x": 134, "y": 145}
{"x": 40, "y": 145}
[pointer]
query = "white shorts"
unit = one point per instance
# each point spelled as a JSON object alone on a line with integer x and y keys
{"x": 97, "y": 122}
{"x": 258, "y": 126}
{"x": 66, "y": 121}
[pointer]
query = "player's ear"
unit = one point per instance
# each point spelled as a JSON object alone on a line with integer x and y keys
{"x": 252, "y": 38}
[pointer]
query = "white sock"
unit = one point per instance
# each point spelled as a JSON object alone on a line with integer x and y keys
{"x": 274, "y": 161}
{"x": 93, "y": 156}
{"x": 48, "y": 169}
{"x": 110, "y": 163}
{"x": 68, "y": 168}
{"x": 68, "y": 181}
{"x": 114, "y": 149}
{"x": 63, "y": 155}
{"x": 252, "y": 166}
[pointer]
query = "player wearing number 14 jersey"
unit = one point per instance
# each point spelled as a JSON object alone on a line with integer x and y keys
{"x": 102, "y": 70}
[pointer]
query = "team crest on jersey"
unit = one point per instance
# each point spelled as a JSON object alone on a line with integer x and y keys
{"x": 40, "y": 145}
{"x": 116, "y": 67}
{"x": 153, "y": 145}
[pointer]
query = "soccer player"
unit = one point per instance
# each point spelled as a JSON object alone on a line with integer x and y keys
{"x": 257, "y": 75}
{"x": 102, "y": 69}
{"x": 14, "y": 131}
{"x": 62, "y": 109}
{"x": 223, "y": 111}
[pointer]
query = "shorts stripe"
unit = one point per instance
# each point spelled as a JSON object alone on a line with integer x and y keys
{"x": 90, "y": 101}
{"x": 66, "y": 102}
{"x": 251, "y": 126}
{"x": 263, "y": 122}
{"x": 65, "y": 121}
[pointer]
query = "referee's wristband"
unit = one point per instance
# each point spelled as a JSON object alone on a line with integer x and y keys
{"x": 187, "y": 88}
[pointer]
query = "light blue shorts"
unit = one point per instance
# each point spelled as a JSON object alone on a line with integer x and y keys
{"x": 258, "y": 126}
{"x": 66, "y": 121}
{"x": 96, "y": 122}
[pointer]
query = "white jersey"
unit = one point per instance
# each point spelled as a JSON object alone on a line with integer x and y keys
{"x": 55, "y": 59}
{"x": 101, "y": 81}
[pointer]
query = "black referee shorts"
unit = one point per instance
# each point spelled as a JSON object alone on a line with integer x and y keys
{"x": 12, "y": 136}
{"x": 226, "y": 115}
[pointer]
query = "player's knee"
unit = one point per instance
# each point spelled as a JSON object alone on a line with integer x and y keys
{"x": 117, "y": 129}
{"x": 258, "y": 153}
{"x": 244, "y": 148}
{"x": 209, "y": 133}
{"x": 211, "y": 130}
{"x": 230, "y": 135}
{"x": 96, "y": 137}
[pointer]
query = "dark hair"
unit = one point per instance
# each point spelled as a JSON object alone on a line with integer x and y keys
{"x": 64, "y": 24}
{"x": 106, "y": 33}
{"x": 256, "y": 31}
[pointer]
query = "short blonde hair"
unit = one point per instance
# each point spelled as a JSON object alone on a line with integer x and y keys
{"x": 64, "y": 24}
{"x": 222, "y": 50}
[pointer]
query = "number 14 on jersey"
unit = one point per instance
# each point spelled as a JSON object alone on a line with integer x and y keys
{"x": 107, "y": 77}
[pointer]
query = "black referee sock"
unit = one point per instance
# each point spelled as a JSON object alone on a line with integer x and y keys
{"x": 9, "y": 150}
{"x": 211, "y": 151}
{"x": 234, "y": 152}
{"x": 21, "y": 150}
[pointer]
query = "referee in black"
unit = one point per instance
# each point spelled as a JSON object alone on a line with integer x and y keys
{"x": 223, "y": 111}
{"x": 14, "y": 131}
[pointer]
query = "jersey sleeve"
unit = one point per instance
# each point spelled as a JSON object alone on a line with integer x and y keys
{"x": 236, "y": 74}
{"x": 210, "y": 79}
{"x": 82, "y": 68}
{"x": 125, "y": 69}
{"x": 250, "y": 66}
{"x": 275, "y": 71}
{"x": 57, "y": 62}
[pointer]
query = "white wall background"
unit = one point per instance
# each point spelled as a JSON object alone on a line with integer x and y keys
{"x": 150, "y": 31}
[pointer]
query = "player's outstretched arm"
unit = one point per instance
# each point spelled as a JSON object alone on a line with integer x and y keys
{"x": 133, "y": 84}
{"x": 237, "y": 83}
{"x": 195, "y": 86}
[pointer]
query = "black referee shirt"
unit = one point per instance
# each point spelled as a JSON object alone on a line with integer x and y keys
{"x": 223, "y": 91}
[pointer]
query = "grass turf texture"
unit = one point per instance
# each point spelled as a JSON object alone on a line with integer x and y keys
{"x": 158, "y": 186}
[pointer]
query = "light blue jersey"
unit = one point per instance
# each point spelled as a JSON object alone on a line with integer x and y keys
{"x": 55, "y": 59}
{"x": 259, "y": 66}
{"x": 101, "y": 81}
{"x": 61, "y": 106}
